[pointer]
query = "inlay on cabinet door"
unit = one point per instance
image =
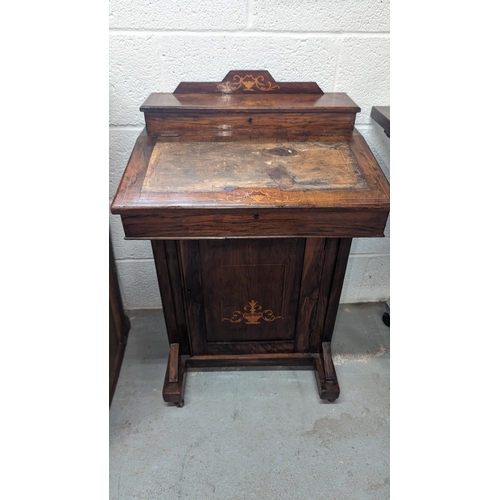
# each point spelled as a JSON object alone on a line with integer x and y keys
{"x": 249, "y": 290}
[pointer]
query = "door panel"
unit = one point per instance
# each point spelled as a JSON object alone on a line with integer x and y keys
{"x": 242, "y": 294}
{"x": 250, "y": 288}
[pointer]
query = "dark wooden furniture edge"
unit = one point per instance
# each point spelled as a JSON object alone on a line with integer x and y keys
{"x": 117, "y": 364}
{"x": 134, "y": 173}
{"x": 195, "y": 224}
{"x": 119, "y": 324}
{"x": 382, "y": 116}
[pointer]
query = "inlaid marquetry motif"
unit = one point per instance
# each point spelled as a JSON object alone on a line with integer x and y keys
{"x": 248, "y": 82}
{"x": 252, "y": 313}
{"x": 256, "y": 196}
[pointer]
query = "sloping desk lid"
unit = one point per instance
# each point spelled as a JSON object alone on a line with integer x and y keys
{"x": 163, "y": 175}
{"x": 298, "y": 157}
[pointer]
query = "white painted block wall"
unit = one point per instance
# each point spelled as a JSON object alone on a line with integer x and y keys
{"x": 343, "y": 45}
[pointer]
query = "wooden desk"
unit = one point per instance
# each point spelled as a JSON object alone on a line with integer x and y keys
{"x": 382, "y": 115}
{"x": 251, "y": 191}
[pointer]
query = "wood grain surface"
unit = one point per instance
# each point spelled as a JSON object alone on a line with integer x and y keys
{"x": 249, "y": 81}
{"x": 332, "y": 102}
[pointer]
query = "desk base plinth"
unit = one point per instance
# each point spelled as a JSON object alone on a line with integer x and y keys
{"x": 326, "y": 378}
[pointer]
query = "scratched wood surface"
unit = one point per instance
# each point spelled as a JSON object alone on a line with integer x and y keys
{"x": 224, "y": 167}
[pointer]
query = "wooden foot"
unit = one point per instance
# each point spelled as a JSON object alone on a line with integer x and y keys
{"x": 173, "y": 388}
{"x": 326, "y": 378}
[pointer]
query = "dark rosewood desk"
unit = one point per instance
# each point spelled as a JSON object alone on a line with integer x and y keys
{"x": 251, "y": 191}
{"x": 382, "y": 115}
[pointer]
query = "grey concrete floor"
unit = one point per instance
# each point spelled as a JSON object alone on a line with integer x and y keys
{"x": 254, "y": 434}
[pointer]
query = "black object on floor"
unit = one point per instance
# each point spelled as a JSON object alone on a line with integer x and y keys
{"x": 386, "y": 318}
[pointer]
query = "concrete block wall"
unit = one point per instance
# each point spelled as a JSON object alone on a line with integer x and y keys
{"x": 155, "y": 44}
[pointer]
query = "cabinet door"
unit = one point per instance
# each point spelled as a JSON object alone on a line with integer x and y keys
{"x": 242, "y": 295}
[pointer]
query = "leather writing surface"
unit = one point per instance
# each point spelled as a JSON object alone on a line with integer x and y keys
{"x": 201, "y": 167}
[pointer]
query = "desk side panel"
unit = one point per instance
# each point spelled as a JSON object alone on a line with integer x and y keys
{"x": 169, "y": 281}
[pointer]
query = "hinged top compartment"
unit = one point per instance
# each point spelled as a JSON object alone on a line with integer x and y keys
{"x": 249, "y": 105}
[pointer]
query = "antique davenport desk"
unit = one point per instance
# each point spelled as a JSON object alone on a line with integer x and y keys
{"x": 251, "y": 191}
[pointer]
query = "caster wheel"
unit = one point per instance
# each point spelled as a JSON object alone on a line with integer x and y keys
{"x": 331, "y": 400}
{"x": 179, "y": 405}
{"x": 386, "y": 319}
